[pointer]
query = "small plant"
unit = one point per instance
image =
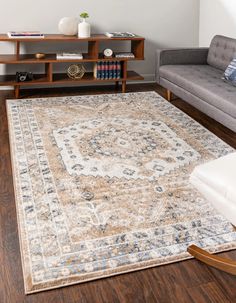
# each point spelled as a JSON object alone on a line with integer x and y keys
{"x": 84, "y": 15}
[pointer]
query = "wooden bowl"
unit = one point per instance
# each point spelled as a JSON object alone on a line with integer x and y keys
{"x": 39, "y": 55}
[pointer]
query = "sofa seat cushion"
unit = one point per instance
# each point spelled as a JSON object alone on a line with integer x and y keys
{"x": 216, "y": 181}
{"x": 205, "y": 82}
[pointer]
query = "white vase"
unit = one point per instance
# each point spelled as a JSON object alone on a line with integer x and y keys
{"x": 84, "y": 29}
{"x": 68, "y": 26}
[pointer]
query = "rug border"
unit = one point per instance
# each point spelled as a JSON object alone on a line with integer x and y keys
{"x": 128, "y": 271}
{"x": 182, "y": 257}
{"x": 10, "y": 137}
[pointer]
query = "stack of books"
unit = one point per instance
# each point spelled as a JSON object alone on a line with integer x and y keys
{"x": 69, "y": 55}
{"x": 105, "y": 70}
{"x": 24, "y": 35}
{"x": 124, "y": 55}
{"x": 120, "y": 35}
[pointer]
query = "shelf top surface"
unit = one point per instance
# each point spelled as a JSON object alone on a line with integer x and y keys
{"x": 30, "y": 58}
{"x": 58, "y": 37}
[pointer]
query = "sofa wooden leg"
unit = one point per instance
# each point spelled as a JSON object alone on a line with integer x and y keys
{"x": 168, "y": 95}
{"x": 223, "y": 264}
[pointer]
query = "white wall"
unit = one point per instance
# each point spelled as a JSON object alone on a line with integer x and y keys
{"x": 164, "y": 23}
{"x": 216, "y": 17}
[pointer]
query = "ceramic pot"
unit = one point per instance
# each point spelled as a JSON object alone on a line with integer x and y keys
{"x": 84, "y": 29}
{"x": 68, "y": 26}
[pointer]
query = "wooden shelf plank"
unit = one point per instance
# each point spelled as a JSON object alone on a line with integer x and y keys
{"x": 59, "y": 78}
{"x": 132, "y": 75}
{"x": 30, "y": 58}
{"x": 88, "y": 77}
{"x": 10, "y": 80}
{"x": 60, "y": 38}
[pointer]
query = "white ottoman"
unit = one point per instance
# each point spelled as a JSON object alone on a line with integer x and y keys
{"x": 216, "y": 181}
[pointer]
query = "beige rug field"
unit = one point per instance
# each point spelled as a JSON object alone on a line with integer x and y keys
{"x": 102, "y": 186}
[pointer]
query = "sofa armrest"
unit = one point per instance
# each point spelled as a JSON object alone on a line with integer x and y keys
{"x": 180, "y": 56}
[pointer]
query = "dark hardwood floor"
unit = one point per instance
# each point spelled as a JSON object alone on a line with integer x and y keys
{"x": 187, "y": 281}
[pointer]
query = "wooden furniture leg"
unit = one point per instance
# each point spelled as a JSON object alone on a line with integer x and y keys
{"x": 17, "y": 91}
{"x": 48, "y": 71}
{"x": 123, "y": 86}
{"x": 17, "y": 49}
{"x": 223, "y": 264}
{"x": 168, "y": 95}
{"x": 124, "y": 76}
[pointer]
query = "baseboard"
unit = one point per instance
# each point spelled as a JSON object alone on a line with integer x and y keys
{"x": 148, "y": 78}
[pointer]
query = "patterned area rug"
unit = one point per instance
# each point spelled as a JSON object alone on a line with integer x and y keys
{"x": 102, "y": 186}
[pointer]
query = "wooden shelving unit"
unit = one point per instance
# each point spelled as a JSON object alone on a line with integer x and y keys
{"x": 93, "y": 55}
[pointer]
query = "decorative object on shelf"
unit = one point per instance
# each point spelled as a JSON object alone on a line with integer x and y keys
{"x": 24, "y": 76}
{"x": 120, "y": 35}
{"x": 40, "y": 56}
{"x": 24, "y": 35}
{"x": 68, "y": 26}
{"x": 76, "y": 71}
{"x": 69, "y": 55}
{"x": 108, "y": 53}
{"x": 84, "y": 28}
{"x": 125, "y": 55}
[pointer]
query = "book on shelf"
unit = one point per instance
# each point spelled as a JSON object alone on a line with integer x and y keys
{"x": 110, "y": 70}
{"x": 24, "y": 35}
{"x": 118, "y": 68}
{"x": 124, "y": 55}
{"x": 103, "y": 70}
{"x": 114, "y": 70}
{"x": 69, "y": 55}
{"x": 120, "y": 35}
{"x": 107, "y": 70}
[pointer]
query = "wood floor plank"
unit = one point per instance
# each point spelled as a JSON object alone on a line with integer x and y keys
{"x": 163, "y": 285}
{"x": 176, "y": 278}
{"x": 187, "y": 281}
{"x": 226, "y": 281}
{"x": 9, "y": 250}
{"x": 208, "y": 293}
{"x": 5, "y": 286}
{"x": 132, "y": 288}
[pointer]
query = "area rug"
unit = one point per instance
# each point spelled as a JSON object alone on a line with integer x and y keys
{"x": 102, "y": 186}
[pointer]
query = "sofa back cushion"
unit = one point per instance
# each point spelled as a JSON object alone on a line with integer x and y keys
{"x": 222, "y": 51}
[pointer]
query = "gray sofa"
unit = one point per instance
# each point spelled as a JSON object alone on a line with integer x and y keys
{"x": 195, "y": 75}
